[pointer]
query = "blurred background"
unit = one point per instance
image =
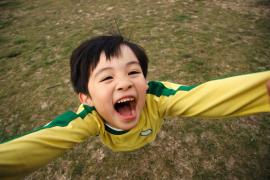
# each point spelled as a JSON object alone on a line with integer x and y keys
{"x": 187, "y": 41}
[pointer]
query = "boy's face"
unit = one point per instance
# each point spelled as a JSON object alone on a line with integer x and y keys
{"x": 118, "y": 89}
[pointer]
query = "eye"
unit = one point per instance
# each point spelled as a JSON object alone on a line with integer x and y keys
{"x": 134, "y": 72}
{"x": 107, "y": 78}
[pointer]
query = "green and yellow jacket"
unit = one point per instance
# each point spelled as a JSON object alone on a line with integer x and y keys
{"x": 228, "y": 97}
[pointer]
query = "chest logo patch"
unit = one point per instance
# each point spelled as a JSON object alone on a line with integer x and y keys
{"x": 146, "y": 132}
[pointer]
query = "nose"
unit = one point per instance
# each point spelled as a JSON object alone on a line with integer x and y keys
{"x": 124, "y": 84}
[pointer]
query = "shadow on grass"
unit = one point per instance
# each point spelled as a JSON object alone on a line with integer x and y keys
{"x": 263, "y": 3}
{"x": 9, "y": 4}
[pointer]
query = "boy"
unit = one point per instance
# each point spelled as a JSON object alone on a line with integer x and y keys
{"x": 118, "y": 104}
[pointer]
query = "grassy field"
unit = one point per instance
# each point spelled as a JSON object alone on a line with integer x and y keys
{"x": 187, "y": 41}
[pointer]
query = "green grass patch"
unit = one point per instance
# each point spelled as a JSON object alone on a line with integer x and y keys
{"x": 19, "y": 40}
{"x": 183, "y": 17}
{"x": 4, "y": 23}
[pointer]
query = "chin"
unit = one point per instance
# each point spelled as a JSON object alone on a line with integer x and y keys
{"x": 129, "y": 126}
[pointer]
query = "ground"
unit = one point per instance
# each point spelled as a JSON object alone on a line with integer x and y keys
{"x": 187, "y": 41}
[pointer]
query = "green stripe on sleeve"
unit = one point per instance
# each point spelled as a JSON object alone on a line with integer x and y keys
{"x": 158, "y": 89}
{"x": 186, "y": 88}
{"x": 61, "y": 120}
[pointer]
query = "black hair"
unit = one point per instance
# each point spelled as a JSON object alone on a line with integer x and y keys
{"x": 85, "y": 58}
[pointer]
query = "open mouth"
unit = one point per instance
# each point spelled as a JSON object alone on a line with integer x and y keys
{"x": 125, "y": 106}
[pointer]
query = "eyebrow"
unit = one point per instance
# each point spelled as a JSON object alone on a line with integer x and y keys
{"x": 109, "y": 68}
{"x": 101, "y": 70}
{"x": 132, "y": 62}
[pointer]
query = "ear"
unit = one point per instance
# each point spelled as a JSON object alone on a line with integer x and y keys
{"x": 85, "y": 99}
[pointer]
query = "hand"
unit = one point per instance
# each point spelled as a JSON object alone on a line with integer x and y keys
{"x": 268, "y": 87}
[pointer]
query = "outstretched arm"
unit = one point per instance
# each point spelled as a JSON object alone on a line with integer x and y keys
{"x": 234, "y": 96}
{"x": 23, "y": 154}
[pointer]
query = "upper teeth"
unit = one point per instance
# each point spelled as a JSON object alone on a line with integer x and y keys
{"x": 125, "y": 100}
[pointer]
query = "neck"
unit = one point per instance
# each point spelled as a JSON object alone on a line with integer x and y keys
{"x": 114, "y": 128}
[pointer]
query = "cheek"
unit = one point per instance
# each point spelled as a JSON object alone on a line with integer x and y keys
{"x": 144, "y": 86}
{"x": 101, "y": 95}
{"x": 142, "y": 89}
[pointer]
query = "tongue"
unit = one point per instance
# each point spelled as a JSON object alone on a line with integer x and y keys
{"x": 125, "y": 110}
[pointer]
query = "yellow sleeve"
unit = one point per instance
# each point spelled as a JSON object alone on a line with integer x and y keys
{"x": 234, "y": 96}
{"x": 23, "y": 154}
